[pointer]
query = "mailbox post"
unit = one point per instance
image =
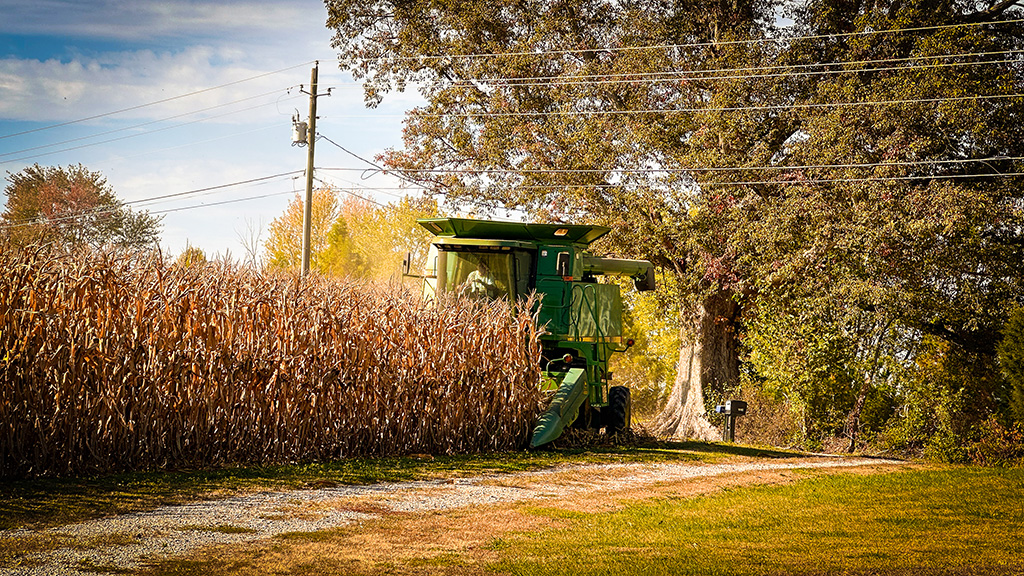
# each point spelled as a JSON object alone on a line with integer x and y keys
{"x": 732, "y": 409}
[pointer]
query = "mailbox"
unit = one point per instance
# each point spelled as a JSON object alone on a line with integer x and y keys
{"x": 735, "y": 407}
{"x": 731, "y": 409}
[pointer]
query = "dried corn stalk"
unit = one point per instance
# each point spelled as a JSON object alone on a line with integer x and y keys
{"x": 116, "y": 362}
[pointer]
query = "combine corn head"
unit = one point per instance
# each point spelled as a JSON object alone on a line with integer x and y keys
{"x": 582, "y": 317}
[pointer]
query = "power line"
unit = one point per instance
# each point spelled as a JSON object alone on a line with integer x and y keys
{"x": 350, "y": 193}
{"x": 802, "y": 182}
{"x": 212, "y": 188}
{"x": 221, "y": 203}
{"x": 137, "y": 135}
{"x": 351, "y": 153}
{"x": 163, "y": 101}
{"x": 484, "y": 205}
{"x": 373, "y": 164}
{"x": 690, "y": 45}
{"x": 144, "y": 124}
{"x": 388, "y": 190}
{"x": 861, "y": 180}
{"x": 720, "y": 109}
{"x": 197, "y": 142}
{"x": 695, "y": 75}
{"x": 484, "y": 172}
{"x": 112, "y": 209}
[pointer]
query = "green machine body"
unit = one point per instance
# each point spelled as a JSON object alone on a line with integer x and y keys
{"x": 581, "y": 316}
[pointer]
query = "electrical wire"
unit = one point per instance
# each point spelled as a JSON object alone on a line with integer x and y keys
{"x": 529, "y": 53}
{"x": 209, "y": 189}
{"x": 565, "y": 81}
{"x": 686, "y": 170}
{"x": 720, "y": 109}
{"x": 144, "y": 124}
{"x": 386, "y": 190}
{"x": 163, "y": 197}
{"x": 689, "y": 45}
{"x": 191, "y": 143}
{"x": 489, "y": 206}
{"x": 806, "y": 181}
{"x": 220, "y": 203}
{"x": 154, "y": 103}
{"x": 137, "y": 135}
{"x": 703, "y": 75}
{"x": 349, "y": 192}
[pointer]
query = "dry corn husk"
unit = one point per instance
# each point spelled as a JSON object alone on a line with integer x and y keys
{"x": 114, "y": 362}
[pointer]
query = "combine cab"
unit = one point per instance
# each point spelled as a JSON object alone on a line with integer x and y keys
{"x": 583, "y": 318}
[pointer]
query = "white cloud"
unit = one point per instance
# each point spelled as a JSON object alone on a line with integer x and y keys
{"x": 185, "y": 46}
{"x": 134, "y": 20}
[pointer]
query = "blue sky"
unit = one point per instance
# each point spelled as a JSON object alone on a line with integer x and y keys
{"x": 66, "y": 65}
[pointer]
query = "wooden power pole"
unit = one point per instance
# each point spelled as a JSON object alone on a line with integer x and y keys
{"x": 307, "y": 206}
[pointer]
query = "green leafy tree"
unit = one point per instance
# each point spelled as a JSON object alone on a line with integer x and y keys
{"x": 651, "y": 117}
{"x": 915, "y": 235}
{"x": 72, "y": 205}
{"x": 562, "y": 119}
{"x": 648, "y": 368}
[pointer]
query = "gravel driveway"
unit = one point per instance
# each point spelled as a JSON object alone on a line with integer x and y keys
{"x": 130, "y": 540}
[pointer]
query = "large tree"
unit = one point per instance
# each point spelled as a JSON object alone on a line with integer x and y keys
{"x": 672, "y": 122}
{"x": 72, "y": 205}
{"x": 901, "y": 218}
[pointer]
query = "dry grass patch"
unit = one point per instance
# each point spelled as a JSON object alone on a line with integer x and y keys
{"x": 219, "y": 528}
{"x": 316, "y": 509}
{"x": 15, "y": 550}
{"x": 458, "y": 542}
{"x": 702, "y": 486}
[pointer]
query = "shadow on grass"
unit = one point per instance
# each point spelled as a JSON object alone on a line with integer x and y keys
{"x": 44, "y": 502}
{"x": 732, "y": 450}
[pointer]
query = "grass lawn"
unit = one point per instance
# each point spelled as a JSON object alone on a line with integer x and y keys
{"x": 882, "y": 520}
{"x": 905, "y": 521}
{"x": 944, "y": 521}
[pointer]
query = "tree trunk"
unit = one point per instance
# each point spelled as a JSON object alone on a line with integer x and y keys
{"x": 853, "y": 419}
{"x": 708, "y": 358}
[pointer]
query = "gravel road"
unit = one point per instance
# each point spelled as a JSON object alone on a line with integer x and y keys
{"x": 130, "y": 540}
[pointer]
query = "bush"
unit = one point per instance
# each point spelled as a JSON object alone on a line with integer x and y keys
{"x": 999, "y": 445}
{"x": 769, "y": 422}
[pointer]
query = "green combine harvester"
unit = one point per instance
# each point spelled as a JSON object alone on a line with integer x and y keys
{"x": 583, "y": 318}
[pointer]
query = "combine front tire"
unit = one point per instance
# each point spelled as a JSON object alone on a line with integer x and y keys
{"x": 619, "y": 410}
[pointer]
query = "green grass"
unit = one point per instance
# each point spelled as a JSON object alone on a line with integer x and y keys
{"x": 949, "y": 521}
{"x": 43, "y": 502}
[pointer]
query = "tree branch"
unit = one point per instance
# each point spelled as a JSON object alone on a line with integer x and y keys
{"x": 993, "y": 12}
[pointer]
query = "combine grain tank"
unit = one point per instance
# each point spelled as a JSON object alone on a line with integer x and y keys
{"x": 583, "y": 317}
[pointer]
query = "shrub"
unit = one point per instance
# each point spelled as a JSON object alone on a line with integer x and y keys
{"x": 999, "y": 445}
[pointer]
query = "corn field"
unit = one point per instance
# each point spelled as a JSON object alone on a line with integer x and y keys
{"x": 114, "y": 362}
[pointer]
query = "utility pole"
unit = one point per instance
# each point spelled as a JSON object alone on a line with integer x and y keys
{"x": 307, "y": 206}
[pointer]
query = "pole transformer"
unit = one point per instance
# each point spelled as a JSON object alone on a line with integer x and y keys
{"x": 307, "y": 206}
